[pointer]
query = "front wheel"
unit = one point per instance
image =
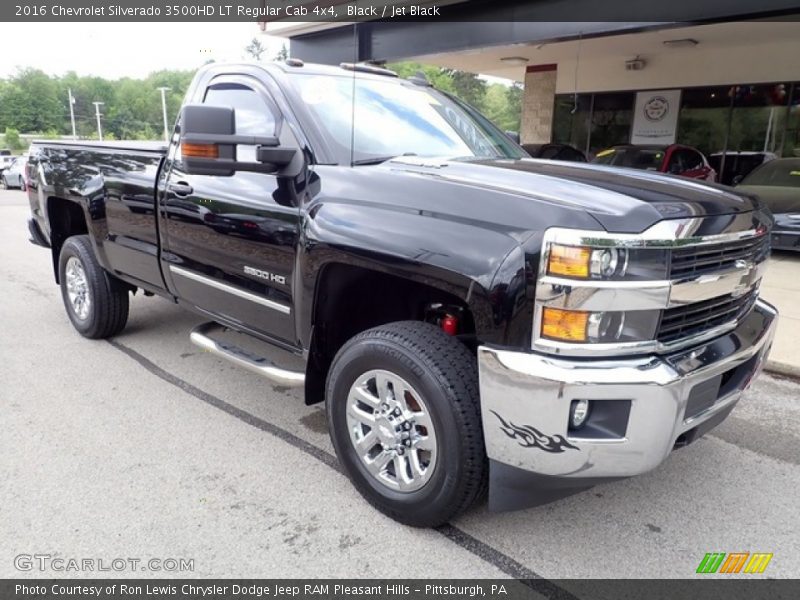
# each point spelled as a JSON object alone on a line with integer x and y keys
{"x": 404, "y": 416}
{"x": 96, "y": 302}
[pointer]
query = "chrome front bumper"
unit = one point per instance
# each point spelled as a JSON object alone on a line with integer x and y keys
{"x": 644, "y": 406}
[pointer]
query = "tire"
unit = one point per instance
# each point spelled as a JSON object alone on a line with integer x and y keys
{"x": 104, "y": 310}
{"x": 3, "y": 182}
{"x": 443, "y": 378}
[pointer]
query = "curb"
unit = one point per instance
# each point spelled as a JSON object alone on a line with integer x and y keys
{"x": 783, "y": 370}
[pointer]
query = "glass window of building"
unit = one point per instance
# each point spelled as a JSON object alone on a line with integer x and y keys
{"x": 571, "y": 120}
{"x": 791, "y": 137}
{"x": 758, "y": 117}
{"x": 703, "y": 118}
{"x": 612, "y": 115}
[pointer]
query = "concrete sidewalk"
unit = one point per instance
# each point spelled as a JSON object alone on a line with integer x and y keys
{"x": 781, "y": 287}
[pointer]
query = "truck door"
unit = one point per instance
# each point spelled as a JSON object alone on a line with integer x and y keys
{"x": 230, "y": 241}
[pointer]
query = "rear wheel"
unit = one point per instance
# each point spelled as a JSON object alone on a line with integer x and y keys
{"x": 96, "y": 302}
{"x": 404, "y": 417}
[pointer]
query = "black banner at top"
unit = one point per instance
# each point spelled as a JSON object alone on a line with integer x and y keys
{"x": 389, "y": 10}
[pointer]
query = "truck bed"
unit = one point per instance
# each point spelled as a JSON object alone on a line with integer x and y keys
{"x": 113, "y": 185}
{"x": 124, "y": 145}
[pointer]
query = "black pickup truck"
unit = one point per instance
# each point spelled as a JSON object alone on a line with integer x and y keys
{"x": 473, "y": 318}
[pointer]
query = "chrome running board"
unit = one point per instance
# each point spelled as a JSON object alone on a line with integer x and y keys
{"x": 201, "y": 336}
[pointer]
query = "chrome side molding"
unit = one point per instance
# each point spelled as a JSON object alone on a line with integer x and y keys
{"x": 201, "y": 337}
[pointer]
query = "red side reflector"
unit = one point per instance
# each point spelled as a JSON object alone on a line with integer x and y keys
{"x": 199, "y": 150}
{"x": 450, "y": 325}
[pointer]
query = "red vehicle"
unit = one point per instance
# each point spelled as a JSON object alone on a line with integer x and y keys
{"x": 674, "y": 159}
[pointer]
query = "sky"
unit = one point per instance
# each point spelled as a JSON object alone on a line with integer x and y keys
{"x": 114, "y": 50}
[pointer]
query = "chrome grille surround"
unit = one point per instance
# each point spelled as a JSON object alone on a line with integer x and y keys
{"x": 737, "y": 278}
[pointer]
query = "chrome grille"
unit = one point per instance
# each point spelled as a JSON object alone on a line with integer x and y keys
{"x": 693, "y": 319}
{"x": 697, "y": 260}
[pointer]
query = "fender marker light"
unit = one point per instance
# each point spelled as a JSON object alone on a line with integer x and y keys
{"x": 565, "y": 325}
{"x": 570, "y": 261}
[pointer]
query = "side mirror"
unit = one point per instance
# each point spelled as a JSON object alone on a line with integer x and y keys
{"x": 514, "y": 135}
{"x": 675, "y": 169}
{"x": 737, "y": 180}
{"x": 209, "y": 141}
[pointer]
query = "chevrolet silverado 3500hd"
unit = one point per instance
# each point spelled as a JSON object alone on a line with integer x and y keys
{"x": 471, "y": 317}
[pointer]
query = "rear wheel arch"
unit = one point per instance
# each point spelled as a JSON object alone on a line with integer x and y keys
{"x": 65, "y": 219}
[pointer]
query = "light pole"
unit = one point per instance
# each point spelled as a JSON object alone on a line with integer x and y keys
{"x": 97, "y": 106}
{"x": 164, "y": 91}
{"x": 72, "y": 113}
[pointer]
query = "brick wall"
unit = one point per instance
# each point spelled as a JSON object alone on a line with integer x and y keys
{"x": 537, "y": 104}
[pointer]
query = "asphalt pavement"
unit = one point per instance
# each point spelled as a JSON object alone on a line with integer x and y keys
{"x": 145, "y": 447}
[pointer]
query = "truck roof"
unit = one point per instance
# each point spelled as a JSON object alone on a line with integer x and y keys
{"x": 292, "y": 67}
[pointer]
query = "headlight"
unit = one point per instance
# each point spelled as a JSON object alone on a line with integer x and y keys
{"x": 583, "y": 262}
{"x": 606, "y": 327}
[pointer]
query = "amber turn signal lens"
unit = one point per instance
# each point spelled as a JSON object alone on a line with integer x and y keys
{"x": 571, "y": 261}
{"x": 565, "y": 325}
{"x": 199, "y": 150}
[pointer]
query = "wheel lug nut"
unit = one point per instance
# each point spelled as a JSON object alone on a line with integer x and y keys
{"x": 407, "y": 443}
{"x": 397, "y": 412}
{"x": 401, "y": 450}
{"x": 385, "y": 407}
{"x": 406, "y": 425}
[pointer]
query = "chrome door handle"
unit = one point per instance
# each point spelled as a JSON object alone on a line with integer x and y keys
{"x": 180, "y": 188}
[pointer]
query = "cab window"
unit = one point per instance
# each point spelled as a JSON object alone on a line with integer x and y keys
{"x": 253, "y": 115}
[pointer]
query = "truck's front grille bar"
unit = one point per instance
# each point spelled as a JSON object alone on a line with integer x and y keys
{"x": 693, "y": 319}
{"x": 697, "y": 260}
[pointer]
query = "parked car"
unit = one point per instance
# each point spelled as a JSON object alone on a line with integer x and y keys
{"x": 5, "y": 160}
{"x": 674, "y": 159}
{"x": 777, "y": 184}
{"x": 473, "y": 319}
{"x": 737, "y": 164}
{"x": 14, "y": 175}
{"x": 555, "y": 152}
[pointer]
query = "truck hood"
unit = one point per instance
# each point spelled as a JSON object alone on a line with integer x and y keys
{"x": 621, "y": 200}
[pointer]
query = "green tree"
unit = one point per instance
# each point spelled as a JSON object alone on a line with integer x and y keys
{"x": 439, "y": 78}
{"x": 12, "y": 139}
{"x": 514, "y": 94}
{"x": 469, "y": 88}
{"x": 29, "y": 102}
{"x": 255, "y": 49}
{"x": 282, "y": 54}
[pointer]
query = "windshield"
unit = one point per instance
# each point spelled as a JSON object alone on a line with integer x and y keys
{"x": 636, "y": 158}
{"x": 777, "y": 172}
{"x": 393, "y": 118}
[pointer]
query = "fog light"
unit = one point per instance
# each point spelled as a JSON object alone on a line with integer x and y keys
{"x": 578, "y": 413}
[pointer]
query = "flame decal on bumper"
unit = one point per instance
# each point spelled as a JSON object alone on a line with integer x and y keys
{"x": 530, "y": 437}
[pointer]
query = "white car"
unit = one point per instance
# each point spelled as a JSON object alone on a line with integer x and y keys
{"x": 5, "y": 161}
{"x": 13, "y": 176}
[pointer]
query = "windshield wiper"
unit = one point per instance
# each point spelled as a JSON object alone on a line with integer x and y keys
{"x": 377, "y": 160}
